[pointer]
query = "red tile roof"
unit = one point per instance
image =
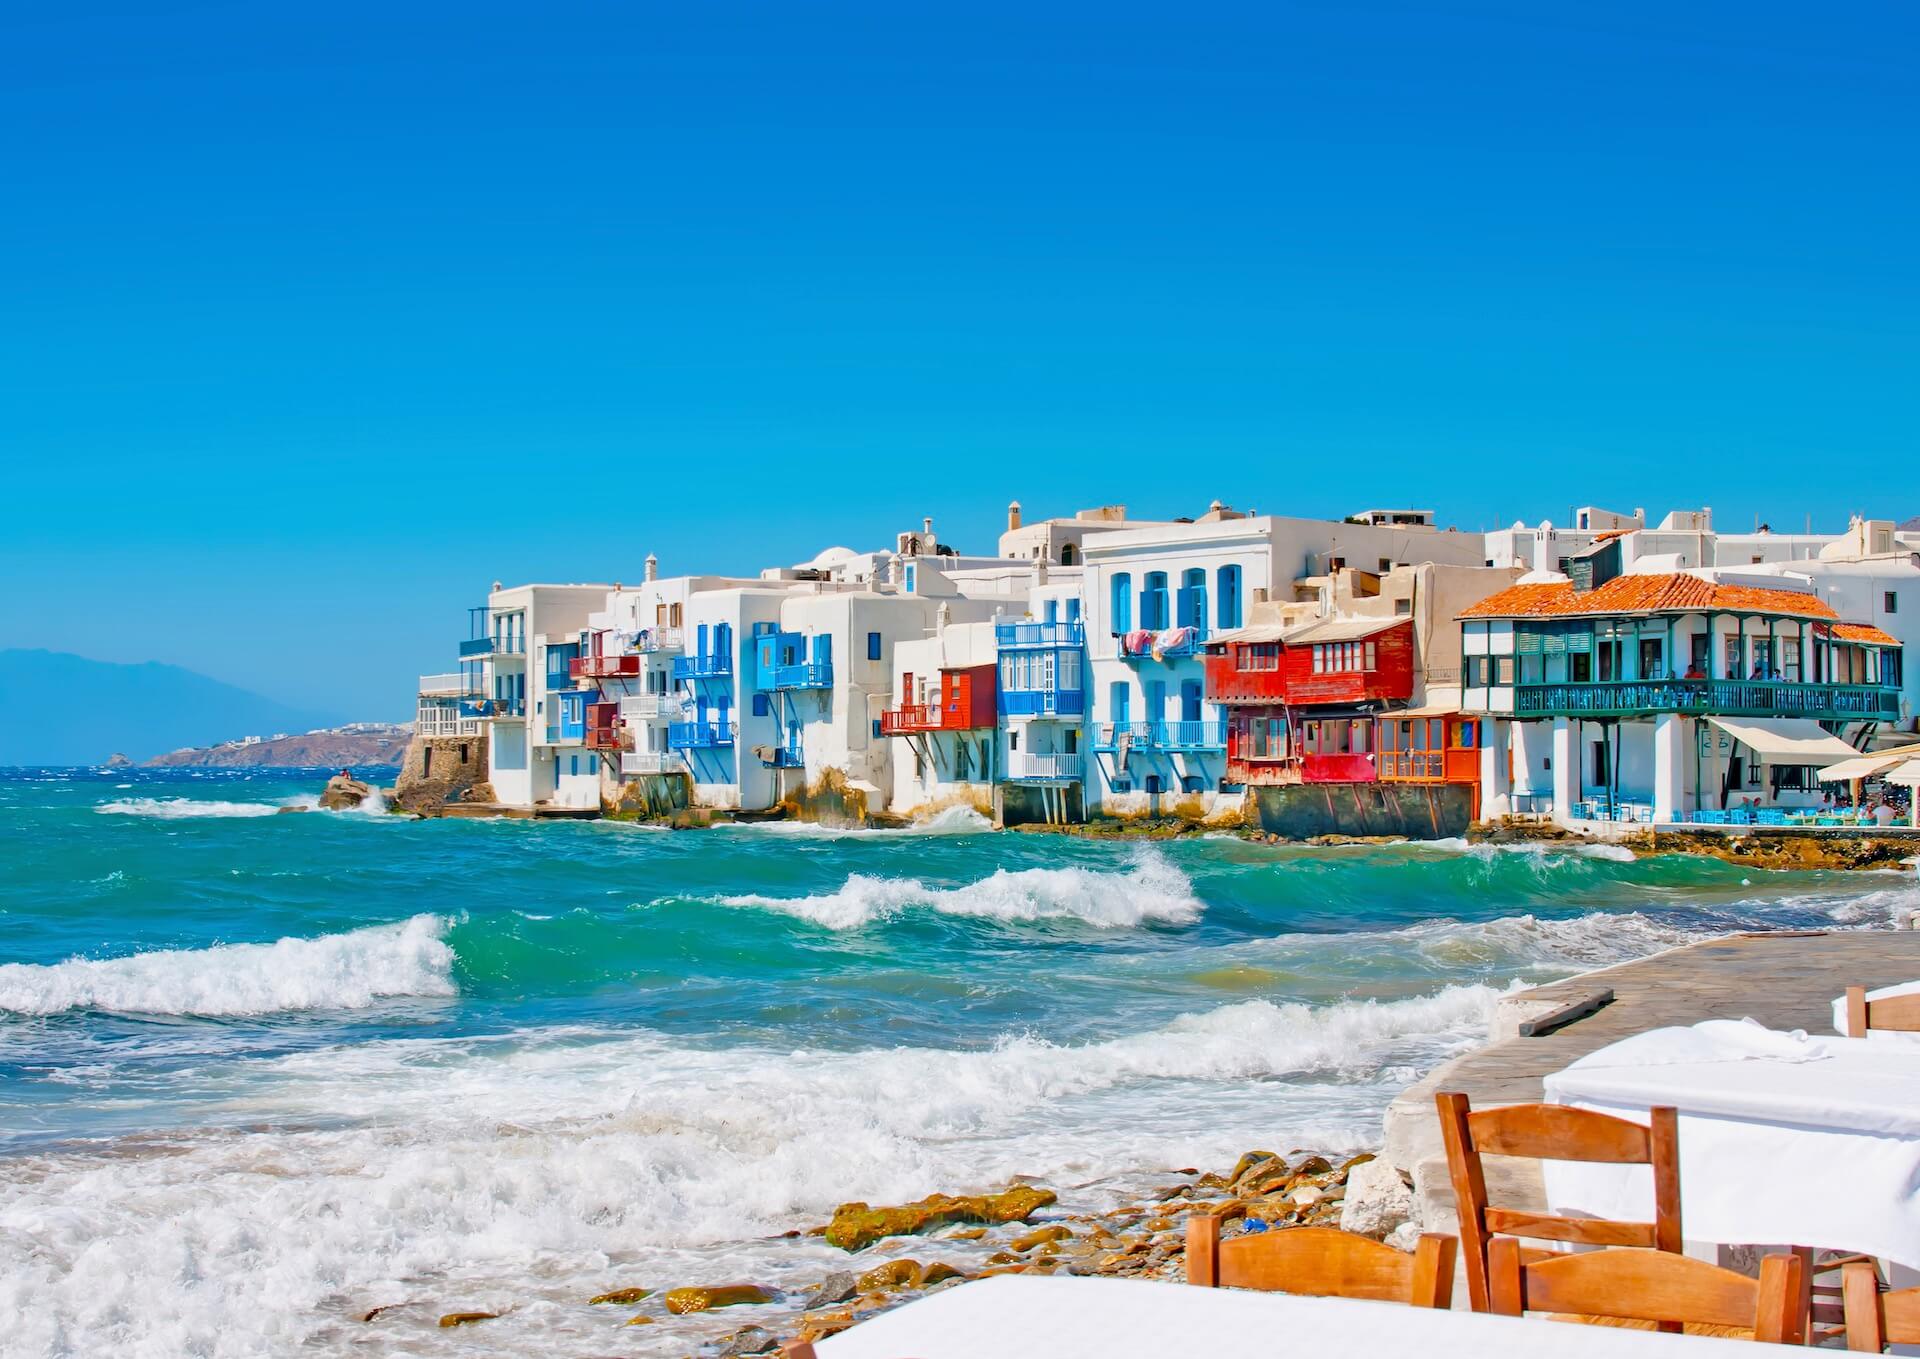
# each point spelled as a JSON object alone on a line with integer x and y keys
{"x": 1863, "y": 632}
{"x": 1677, "y": 593}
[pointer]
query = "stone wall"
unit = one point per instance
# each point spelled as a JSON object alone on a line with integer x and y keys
{"x": 437, "y": 770}
{"x": 1301, "y": 811}
{"x": 651, "y": 797}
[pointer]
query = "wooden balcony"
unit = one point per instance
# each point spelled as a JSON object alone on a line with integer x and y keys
{"x": 604, "y": 667}
{"x": 1723, "y": 698}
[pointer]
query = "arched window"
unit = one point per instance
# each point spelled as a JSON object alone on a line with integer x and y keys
{"x": 1153, "y": 602}
{"x": 1068, "y": 554}
{"x": 1193, "y": 598}
{"x": 1122, "y": 609}
{"x": 1227, "y": 597}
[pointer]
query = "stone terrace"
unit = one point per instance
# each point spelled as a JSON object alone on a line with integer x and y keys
{"x": 1785, "y": 981}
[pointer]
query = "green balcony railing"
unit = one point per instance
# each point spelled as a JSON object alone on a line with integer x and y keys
{"x": 1725, "y": 698}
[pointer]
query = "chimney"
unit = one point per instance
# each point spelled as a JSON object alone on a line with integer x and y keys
{"x": 653, "y": 567}
{"x": 1040, "y": 571}
{"x": 1013, "y": 515}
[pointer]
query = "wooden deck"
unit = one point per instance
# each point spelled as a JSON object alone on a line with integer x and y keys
{"x": 1785, "y": 981}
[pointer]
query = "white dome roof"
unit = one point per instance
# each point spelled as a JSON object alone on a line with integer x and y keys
{"x": 833, "y": 556}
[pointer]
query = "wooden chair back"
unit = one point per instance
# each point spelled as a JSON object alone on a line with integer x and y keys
{"x": 1876, "y": 1319}
{"x": 798, "y": 1349}
{"x": 1900, "y": 1014}
{"x": 1321, "y": 1262}
{"x": 1650, "y": 1285}
{"x": 1552, "y": 1132}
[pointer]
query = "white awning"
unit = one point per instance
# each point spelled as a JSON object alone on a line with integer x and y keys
{"x": 1342, "y": 629}
{"x": 1258, "y": 632}
{"x": 1907, "y": 773}
{"x": 1785, "y": 740}
{"x": 1866, "y": 766}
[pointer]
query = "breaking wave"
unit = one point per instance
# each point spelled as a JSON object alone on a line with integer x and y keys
{"x": 182, "y": 808}
{"x": 1151, "y": 890}
{"x": 331, "y": 972}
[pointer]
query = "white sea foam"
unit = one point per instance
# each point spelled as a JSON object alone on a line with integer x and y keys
{"x": 335, "y": 971}
{"x": 1152, "y": 889}
{"x": 524, "y": 1174}
{"x": 1587, "y": 849}
{"x": 182, "y": 808}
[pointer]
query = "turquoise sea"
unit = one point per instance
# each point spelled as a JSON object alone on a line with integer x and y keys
{"x": 261, "y": 1074}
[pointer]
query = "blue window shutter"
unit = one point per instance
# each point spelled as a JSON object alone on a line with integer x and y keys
{"x": 759, "y": 705}
{"x": 1122, "y": 607}
{"x": 876, "y": 728}
{"x": 873, "y": 646}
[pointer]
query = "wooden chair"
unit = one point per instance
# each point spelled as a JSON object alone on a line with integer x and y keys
{"x": 1321, "y": 1262}
{"x": 797, "y": 1349}
{"x": 1552, "y": 1132}
{"x": 1876, "y": 1319}
{"x": 1899, "y": 1014}
{"x": 1650, "y": 1285}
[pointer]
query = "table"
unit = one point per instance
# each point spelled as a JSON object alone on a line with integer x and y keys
{"x": 1024, "y": 1317}
{"x": 1784, "y": 1138}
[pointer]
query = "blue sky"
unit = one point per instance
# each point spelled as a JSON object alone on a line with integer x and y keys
{"x": 321, "y": 318}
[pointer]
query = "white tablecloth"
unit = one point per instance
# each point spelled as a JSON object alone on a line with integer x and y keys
{"x": 1877, "y": 1035}
{"x": 1784, "y": 1139}
{"x": 1019, "y": 1317}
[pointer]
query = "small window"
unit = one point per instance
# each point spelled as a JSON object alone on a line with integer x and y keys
{"x": 876, "y": 728}
{"x": 1402, "y": 607}
{"x": 1891, "y": 602}
{"x": 759, "y": 705}
{"x": 873, "y": 646}
{"x": 1503, "y": 670}
{"x": 1013, "y": 738}
{"x": 593, "y": 764}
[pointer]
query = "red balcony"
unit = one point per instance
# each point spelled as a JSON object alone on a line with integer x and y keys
{"x": 604, "y": 731}
{"x": 966, "y": 704}
{"x": 1336, "y": 661}
{"x": 603, "y": 667}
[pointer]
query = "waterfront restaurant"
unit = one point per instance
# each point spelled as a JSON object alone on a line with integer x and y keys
{"x": 1671, "y": 698}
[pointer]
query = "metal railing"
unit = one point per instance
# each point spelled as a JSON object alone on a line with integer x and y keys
{"x": 493, "y": 707}
{"x": 1730, "y": 698}
{"x": 798, "y": 675}
{"x": 1047, "y": 766}
{"x": 651, "y": 762}
{"x": 604, "y": 667}
{"x": 651, "y": 707}
{"x": 660, "y": 639}
{"x": 699, "y": 735}
{"x": 443, "y": 719}
{"x": 1202, "y": 735}
{"x": 1043, "y": 702}
{"x": 1073, "y": 633}
{"x": 458, "y": 684}
{"x": 706, "y": 665}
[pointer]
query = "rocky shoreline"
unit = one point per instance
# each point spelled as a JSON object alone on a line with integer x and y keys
{"x": 1022, "y": 1229}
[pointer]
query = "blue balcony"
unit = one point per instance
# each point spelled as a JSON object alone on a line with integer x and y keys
{"x": 788, "y": 757}
{"x": 1168, "y": 736}
{"x": 699, "y": 735}
{"x": 1043, "y": 702}
{"x": 795, "y": 675}
{"x": 493, "y": 707}
{"x": 710, "y": 665}
{"x": 476, "y": 646}
{"x": 1069, "y": 634}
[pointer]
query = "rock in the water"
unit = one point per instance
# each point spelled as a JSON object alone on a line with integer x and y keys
{"x": 1040, "y": 1236}
{"x": 623, "y": 1295}
{"x": 642, "y": 1320}
{"x": 748, "y": 1340}
{"x": 681, "y": 1301}
{"x": 856, "y": 1225}
{"x": 463, "y": 1318}
{"x": 836, "y": 1287}
{"x": 117, "y": 761}
{"x": 1377, "y": 1200}
{"x": 344, "y": 792}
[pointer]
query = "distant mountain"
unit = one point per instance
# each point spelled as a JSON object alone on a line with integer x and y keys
{"x": 65, "y": 709}
{"x": 363, "y": 743}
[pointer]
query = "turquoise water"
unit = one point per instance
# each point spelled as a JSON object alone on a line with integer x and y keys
{"x": 261, "y": 1073}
